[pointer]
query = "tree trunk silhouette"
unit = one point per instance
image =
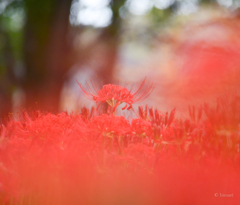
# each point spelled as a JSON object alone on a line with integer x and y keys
{"x": 6, "y": 77}
{"x": 110, "y": 37}
{"x": 47, "y": 52}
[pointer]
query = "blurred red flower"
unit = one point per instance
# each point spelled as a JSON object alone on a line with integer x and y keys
{"x": 115, "y": 95}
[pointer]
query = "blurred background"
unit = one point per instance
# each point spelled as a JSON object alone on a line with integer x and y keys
{"x": 189, "y": 48}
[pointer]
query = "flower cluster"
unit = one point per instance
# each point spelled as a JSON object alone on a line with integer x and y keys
{"x": 115, "y": 95}
{"x": 93, "y": 158}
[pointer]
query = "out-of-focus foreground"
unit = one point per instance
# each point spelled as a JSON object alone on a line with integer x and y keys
{"x": 92, "y": 158}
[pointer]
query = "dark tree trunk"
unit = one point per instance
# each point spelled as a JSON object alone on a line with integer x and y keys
{"x": 7, "y": 62}
{"x": 47, "y": 53}
{"x": 111, "y": 38}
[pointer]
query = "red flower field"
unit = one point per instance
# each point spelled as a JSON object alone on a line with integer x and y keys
{"x": 92, "y": 158}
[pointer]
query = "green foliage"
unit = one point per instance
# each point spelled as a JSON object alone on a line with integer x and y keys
{"x": 159, "y": 16}
{"x": 11, "y": 31}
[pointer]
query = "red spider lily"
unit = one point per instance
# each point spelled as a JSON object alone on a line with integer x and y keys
{"x": 115, "y": 95}
{"x": 109, "y": 125}
{"x": 99, "y": 159}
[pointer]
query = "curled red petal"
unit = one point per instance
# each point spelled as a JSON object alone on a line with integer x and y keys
{"x": 124, "y": 107}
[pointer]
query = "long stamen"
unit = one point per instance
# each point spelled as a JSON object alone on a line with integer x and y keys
{"x": 141, "y": 94}
{"x": 114, "y": 95}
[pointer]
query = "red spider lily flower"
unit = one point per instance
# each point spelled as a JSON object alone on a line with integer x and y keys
{"x": 115, "y": 95}
{"x": 141, "y": 129}
{"x": 110, "y": 125}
